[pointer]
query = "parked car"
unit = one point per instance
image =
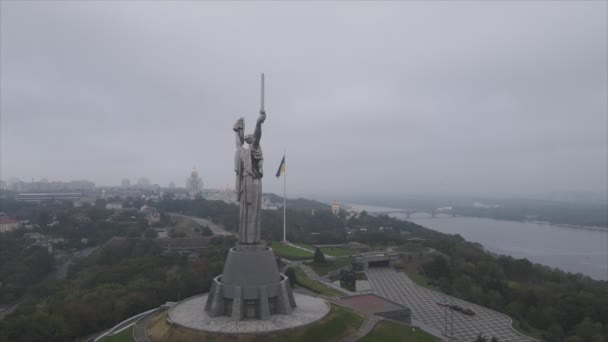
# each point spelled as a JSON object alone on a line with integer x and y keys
{"x": 468, "y": 311}
{"x": 456, "y": 307}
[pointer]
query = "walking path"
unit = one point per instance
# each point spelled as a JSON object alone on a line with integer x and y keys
{"x": 328, "y": 257}
{"x": 300, "y": 247}
{"x": 140, "y": 327}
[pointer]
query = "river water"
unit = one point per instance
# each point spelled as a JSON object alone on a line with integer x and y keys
{"x": 574, "y": 250}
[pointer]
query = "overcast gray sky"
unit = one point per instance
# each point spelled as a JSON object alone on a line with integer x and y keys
{"x": 366, "y": 97}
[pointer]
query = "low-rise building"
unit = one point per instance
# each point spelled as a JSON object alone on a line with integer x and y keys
{"x": 8, "y": 224}
{"x": 35, "y": 236}
{"x": 90, "y": 200}
{"x": 150, "y": 214}
{"x": 81, "y": 218}
{"x": 51, "y": 196}
{"x": 162, "y": 233}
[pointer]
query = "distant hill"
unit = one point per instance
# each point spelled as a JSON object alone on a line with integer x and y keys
{"x": 298, "y": 203}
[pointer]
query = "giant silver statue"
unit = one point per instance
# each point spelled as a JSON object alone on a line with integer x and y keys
{"x": 248, "y": 162}
{"x": 251, "y": 285}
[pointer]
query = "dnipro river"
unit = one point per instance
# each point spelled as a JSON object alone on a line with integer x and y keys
{"x": 576, "y": 250}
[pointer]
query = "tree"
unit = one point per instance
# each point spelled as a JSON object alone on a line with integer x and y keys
{"x": 43, "y": 218}
{"x": 176, "y": 234}
{"x": 437, "y": 268}
{"x": 587, "y": 329}
{"x": 206, "y": 231}
{"x": 150, "y": 234}
{"x": 319, "y": 256}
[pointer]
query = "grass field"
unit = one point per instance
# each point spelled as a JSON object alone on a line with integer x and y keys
{"x": 289, "y": 252}
{"x": 123, "y": 336}
{"x": 337, "y": 251}
{"x": 387, "y": 331}
{"x": 411, "y": 248}
{"x": 420, "y": 280}
{"x": 329, "y": 265}
{"x": 187, "y": 227}
{"x": 338, "y": 323}
{"x": 314, "y": 286}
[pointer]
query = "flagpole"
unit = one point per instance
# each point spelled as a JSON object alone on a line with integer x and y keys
{"x": 284, "y": 199}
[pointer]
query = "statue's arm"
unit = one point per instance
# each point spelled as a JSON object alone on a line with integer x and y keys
{"x": 239, "y": 127}
{"x": 257, "y": 134}
{"x": 239, "y": 139}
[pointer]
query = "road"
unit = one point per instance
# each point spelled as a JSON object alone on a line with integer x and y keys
{"x": 216, "y": 229}
{"x": 7, "y": 310}
{"x": 62, "y": 271}
{"x": 140, "y": 327}
{"x": 398, "y": 287}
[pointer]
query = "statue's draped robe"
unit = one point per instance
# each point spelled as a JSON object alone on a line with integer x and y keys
{"x": 248, "y": 167}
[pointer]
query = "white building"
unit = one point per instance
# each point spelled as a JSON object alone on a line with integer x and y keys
{"x": 114, "y": 206}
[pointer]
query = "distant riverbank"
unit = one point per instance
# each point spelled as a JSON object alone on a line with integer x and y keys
{"x": 570, "y": 248}
{"x": 377, "y": 209}
{"x": 570, "y": 225}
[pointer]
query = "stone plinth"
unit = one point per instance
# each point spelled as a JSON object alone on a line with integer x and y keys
{"x": 250, "y": 286}
{"x": 188, "y": 313}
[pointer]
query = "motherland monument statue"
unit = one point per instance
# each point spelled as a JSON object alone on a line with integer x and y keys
{"x": 251, "y": 286}
{"x": 248, "y": 162}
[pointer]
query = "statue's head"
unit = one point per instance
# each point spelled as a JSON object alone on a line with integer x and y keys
{"x": 249, "y": 139}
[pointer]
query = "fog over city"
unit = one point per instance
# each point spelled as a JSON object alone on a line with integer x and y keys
{"x": 495, "y": 98}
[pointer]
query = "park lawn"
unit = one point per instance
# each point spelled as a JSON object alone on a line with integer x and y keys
{"x": 411, "y": 248}
{"x": 289, "y": 252}
{"x": 387, "y": 331}
{"x": 420, "y": 280}
{"x": 337, "y": 251}
{"x": 339, "y": 323}
{"x": 123, "y": 336}
{"x": 329, "y": 265}
{"x": 304, "y": 281}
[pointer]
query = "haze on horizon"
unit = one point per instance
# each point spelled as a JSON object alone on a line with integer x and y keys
{"x": 495, "y": 98}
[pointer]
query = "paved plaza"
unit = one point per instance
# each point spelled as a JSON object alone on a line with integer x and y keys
{"x": 189, "y": 313}
{"x": 397, "y": 287}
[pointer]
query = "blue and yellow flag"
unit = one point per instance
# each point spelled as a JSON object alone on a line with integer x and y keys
{"x": 281, "y": 169}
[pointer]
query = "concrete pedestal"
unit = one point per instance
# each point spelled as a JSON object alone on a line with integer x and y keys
{"x": 188, "y": 313}
{"x": 250, "y": 286}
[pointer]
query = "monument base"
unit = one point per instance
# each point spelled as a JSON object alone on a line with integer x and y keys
{"x": 188, "y": 314}
{"x": 250, "y": 286}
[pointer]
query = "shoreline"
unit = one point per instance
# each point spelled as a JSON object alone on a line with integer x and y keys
{"x": 604, "y": 229}
{"x": 386, "y": 210}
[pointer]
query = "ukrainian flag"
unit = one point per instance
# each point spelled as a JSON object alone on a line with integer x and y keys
{"x": 281, "y": 169}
